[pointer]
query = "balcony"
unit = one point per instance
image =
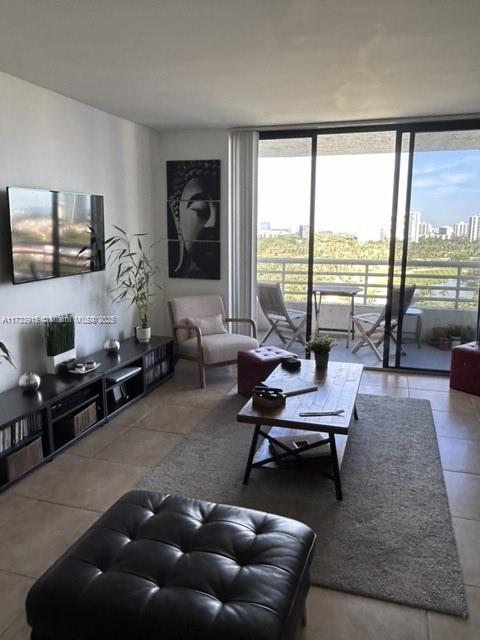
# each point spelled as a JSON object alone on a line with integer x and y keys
{"x": 446, "y": 294}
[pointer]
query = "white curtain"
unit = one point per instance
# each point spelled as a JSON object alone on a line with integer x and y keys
{"x": 243, "y": 225}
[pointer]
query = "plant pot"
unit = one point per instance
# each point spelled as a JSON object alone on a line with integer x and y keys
{"x": 54, "y": 361}
{"x": 143, "y": 334}
{"x": 321, "y": 359}
{"x": 443, "y": 344}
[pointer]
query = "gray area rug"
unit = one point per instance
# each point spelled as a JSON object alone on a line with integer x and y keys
{"x": 391, "y": 538}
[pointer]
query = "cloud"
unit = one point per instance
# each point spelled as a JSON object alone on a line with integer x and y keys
{"x": 445, "y": 179}
{"x": 462, "y": 173}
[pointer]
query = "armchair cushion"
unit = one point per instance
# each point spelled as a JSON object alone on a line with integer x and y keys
{"x": 194, "y": 307}
{"x": 209, "y": 325}
{"x": 223, "y": 347}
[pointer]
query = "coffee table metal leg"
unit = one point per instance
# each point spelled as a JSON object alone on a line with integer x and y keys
{"x": 336, "y": 469}
{"x": 251, "y": 454}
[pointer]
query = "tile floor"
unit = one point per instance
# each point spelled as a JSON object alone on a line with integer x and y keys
{"x": 44, "y": 513}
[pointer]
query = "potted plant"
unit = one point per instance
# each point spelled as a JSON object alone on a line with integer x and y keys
{"x": 135, "y": 276}
{"x": 5, "y": 354}
{"x": 320, "y": 346}
{"x": 60, "y": 341}
{"x": 459, "y": 334}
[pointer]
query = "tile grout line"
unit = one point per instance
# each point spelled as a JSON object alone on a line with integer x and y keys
{"x": 471, "y": 586}
{"x": 441, "y": 435}
{"x": 144, "y": 466}
{"x": 469, "y": 473}
{"x": 428, "y": 625}
{"x": 94, "y": 456}
{"x": 454, "y": 517}
{"x": 458, "y": 438}
{"x": 17, "y": 573}
{"x": 172, "y": 433}
{"x": 124, "y": 464}
{"x": 58, "y": 504}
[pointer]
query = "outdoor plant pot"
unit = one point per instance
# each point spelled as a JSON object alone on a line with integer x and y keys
{"x": 321, "y": 359}
{"x": 444, "y": 344}
{"x": 143, "y": 334}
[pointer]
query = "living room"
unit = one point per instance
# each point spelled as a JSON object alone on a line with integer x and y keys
{"x": 264, "y": 125}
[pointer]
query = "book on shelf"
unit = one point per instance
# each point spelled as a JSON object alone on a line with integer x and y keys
{"x": 159, "y": 371}
{"x": 13, "y": 433}
{"x": 154, "y": 357}
{"x": 156, "y": 365}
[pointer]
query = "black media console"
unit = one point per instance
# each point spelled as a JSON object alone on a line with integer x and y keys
{"x": 35, "y": 427}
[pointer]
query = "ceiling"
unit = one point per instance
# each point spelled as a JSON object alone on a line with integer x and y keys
{"x": 173, "y": 64}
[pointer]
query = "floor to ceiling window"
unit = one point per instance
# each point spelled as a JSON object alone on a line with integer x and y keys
{"x": 441, "y": 235}
{"x": 353, "y": 208}
{"x": 284, "y": 210}
{"x": 375, "y": 236}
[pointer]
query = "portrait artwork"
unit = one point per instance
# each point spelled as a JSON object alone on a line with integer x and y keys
{"x": 193, "y": 211}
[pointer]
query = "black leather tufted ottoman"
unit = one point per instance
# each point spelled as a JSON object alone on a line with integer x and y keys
{"x": 161, "y": 567}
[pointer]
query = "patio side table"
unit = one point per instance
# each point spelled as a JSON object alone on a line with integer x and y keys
{"x": 341, "y": 291}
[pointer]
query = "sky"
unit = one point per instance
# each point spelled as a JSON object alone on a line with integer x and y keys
{"x": 446, "y": 185}
{"x": 354, "y": 192}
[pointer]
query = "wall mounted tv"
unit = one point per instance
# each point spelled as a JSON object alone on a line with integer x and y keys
{"x": 55, "y": 233}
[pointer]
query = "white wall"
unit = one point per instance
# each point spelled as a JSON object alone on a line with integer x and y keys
{"x": 208, "y": 144}
{"x": 49, "y": 141}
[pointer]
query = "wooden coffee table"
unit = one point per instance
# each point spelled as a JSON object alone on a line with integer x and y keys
{"x": 337, "y": 389}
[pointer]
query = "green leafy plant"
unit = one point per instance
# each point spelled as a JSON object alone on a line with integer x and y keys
{"x": 5, "y": 354}
{"x": 136, "y": 271}
{"x": 320, "y": 344}
{"x": 60, "y": 334}
{"x": 460, "y": 331}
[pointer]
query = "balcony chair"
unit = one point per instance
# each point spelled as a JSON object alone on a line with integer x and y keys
{"x": 371, "y": 326}
{"x": 288, "y": 324}
{"x": 198, "y": 325}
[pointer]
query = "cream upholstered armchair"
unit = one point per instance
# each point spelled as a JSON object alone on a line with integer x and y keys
{"x": 200, "y": 334}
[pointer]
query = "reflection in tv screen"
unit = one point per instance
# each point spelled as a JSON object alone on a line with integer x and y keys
{"x": 55, "y": 233}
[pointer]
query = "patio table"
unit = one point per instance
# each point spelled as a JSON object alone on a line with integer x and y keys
{"x": 341, "y": 291}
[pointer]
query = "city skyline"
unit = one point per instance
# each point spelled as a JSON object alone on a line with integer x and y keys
{"x": 418, "y": 229}
{"x": 461, "y": 229}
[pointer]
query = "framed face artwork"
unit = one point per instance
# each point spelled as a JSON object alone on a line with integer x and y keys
{"x": 193, "y": 211}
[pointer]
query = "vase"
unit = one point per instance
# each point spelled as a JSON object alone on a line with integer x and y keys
{"x": 143, "y": 334}
{"x": 111, "y": 345}
{"x": 321, "y": 359}
{"x": 29, "y": 381}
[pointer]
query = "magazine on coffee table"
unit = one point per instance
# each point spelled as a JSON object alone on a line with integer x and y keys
{"x": 300, "y": 439}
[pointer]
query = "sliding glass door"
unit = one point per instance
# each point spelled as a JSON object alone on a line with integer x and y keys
{"x": 374, "y": 234}
{"x": 353, "y": 211}
{"x": 441, "y": 237}
{"x": 284, "y": 212}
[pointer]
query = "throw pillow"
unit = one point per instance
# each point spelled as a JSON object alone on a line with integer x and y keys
{"x": 208, "y": 325}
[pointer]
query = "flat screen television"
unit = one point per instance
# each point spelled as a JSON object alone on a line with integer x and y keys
{"x": 55, "y": 233}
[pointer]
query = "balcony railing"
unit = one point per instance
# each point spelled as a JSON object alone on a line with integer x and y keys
{"x": 442, "y": 284}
